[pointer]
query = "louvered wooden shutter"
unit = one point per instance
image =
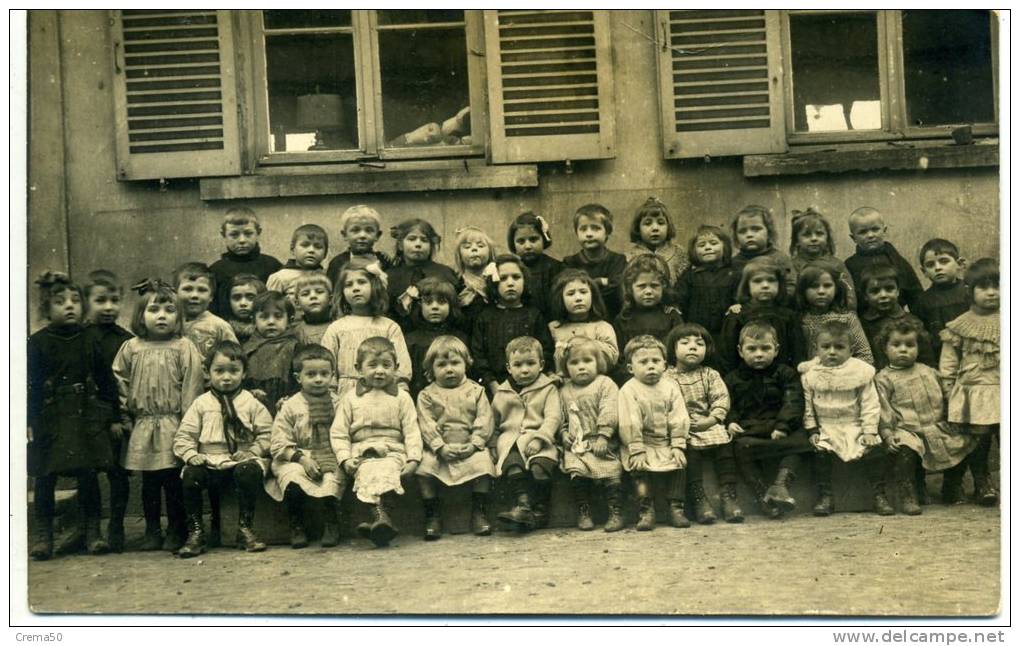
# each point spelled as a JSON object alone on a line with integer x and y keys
{"x": 174, "y": 94}
{"x": 550, "y": 85}
{"x": 720, "y": 82}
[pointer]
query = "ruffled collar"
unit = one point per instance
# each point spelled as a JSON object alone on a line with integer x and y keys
{"x": 985, "y": 328}
{"x": 851, "y": 374}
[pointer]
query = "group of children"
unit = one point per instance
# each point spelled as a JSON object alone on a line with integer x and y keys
{"x": 646, "y": 367}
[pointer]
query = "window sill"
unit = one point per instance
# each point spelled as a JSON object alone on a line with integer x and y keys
{"x": 898, "y": 155}
{"x": 379, "y": 177}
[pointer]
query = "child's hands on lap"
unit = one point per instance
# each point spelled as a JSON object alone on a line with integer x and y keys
{"x": 533, "y": 447}
{"x": 116, "y": 430}
{"x": 409, "y": 468}
{"x": 448, "y": 453}
{"x": 465, "y": 450}
{"x": 241, "y": 456}
{"x": 870, "y": 440}
{"x": 311, "y": 468}
{"x": 638, "y": 462}
{"x": 198, "y": 460}
{"x": 678, "y": 456}
{"x": 259, "y": 394}
{"x": 779, "y": 435}
{"x": 350, "y": 466}
{"x": 601, "y": 446}
{"x": 893, "y": 444}
{"x": 734, "y": 429}
{"x": 701, "y": 423}
{"x": 814, "y": 439}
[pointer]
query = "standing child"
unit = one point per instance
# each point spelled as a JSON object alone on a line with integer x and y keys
{"x": 304, "y": 465}
{"x": 528, "y": 237}
{"x": 159, "y": 374}
{"x": 375, "y": 436}
{"x": 653, "y": 431}
{"x": 359, "y": 300}
{"x": 577, "y": 310}
{"x": 526, "y": 415}
{"x": 436, "y": 313}
{"x": 361, "y": 228}
{"x": 70, "y": 400}
{"x": 417, "y": 245}
{"x": 308, "y": 247}
{"x": 311, "y": 298}
{"x": 652, "y": 231}
{"x": 754, "y": 233}
{"x": 948, "y": 296}
{"x": 223, "y": 437}
{"x": 644, "y": 283}
{"x": 708, "y": 288}
{"x": 508, "y": 316}
{"x": 474, "y": 255}
{"x": 811, "y": 241}
{"x": 593, "y": 224}
{"x": 243, "y": 290}
{"x": 456, "y": 425}
{"x": 880, "y": 294}
{"x": 240, "y": 232}
{"x": 195, "y": 286}
{"x": 868, "y": 231}
{"x": 708, "y": 405}
{"x": 969, "y": 368}
{"x": 270, "y": 350}
{"x": 589, "y": 434}
{"x": 821, "y": 297}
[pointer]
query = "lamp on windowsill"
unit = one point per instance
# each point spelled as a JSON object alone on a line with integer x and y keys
{"x": 319, "y": 112}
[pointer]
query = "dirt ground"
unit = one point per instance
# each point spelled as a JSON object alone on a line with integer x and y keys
{"x": 945, "y": 562}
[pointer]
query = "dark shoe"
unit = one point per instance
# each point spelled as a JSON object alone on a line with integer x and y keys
{"x": 520, "y": 517}
{"x": 115, "y": 534}
{"x": 173, "y": 541}
{"x": 540, "y": 507}
{"x": 480, "y": 515}
{"x": 703, "y": 511}
{"x": 153, "y": 540}
{"x": 730, "y": 508}
{"x": 952, "y": 486}
{"x": 646, "y": 515}
{"x": 921, "y": 477}
{"x": 215, "y": 536}
{"x": 73, "y": 543}
{"x": 984, "y": 493}
{"x": 882, "y": 506}
{"x": 433, "y": 523}
{"x": 677, "y": 518}
{"x": 779, "y": 493}
{"x": 94, "y": 541}
{"x": 42, "y": 540}
{"x": 584, "y": 521}
{"x": 330, "y": 525}
{"x": 364, "y": 530}
{"x": 382, "y": 530}
{"x": 246, "y": 538}
{"x": 908, "y": 497}
{"x": 194, "y": 545}
{"x": 823, "y": 504}
{"x": 294, "y": 500}
{"x": 614, "y": 501}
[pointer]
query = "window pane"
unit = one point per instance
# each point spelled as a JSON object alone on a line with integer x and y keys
{"x": 286, "y": 19}
{"x": 947, "y": 61}
{"x": 835, "y": 72}
{"x": 312, "y": 92}
{"x": 421, "y": 102}
{"x": 418, "y": 16}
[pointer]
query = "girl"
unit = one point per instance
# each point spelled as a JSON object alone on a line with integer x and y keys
{"x": 754, "y": 233}
{"x": 822, "y": 296}
{"x": 652, "y": 231}
{"x": 811, "y": 241}
{"x": 417, "y": 243}
{"x": 593, "y": 224}
{"x": 436, "y": 313}
{"x": 644, "y": 282}
{"x": 762, "y": 294}
{"x": 528, "y": 237}
{"x": 70, "y": 405}
{"x": 360, "y": 303}
{"x": 311, "y": 297}
{"x": 969, "y": 368}
{"x": 880, "y": 292}
{"x": 270, "y": 349}
{"x": 159, "y": 374}
{"x": 474, "y": 256}
{"x": 588, "y": 436}
{"x": 243, "y": 290}
{"x": 577, "y": 310}
{"x": 708, "y": 288}
{"x": 375, "y": 436}
{"x": 456, "y": 425}
{"x": 708, "y": 405}
{"x": 507, "y": 317}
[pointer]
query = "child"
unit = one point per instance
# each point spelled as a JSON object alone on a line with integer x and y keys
{"x": 224, "y": 436}
{"x": 822, "y": 296}
{"x": 159, "y": 374}
{"x": 708, "y": 288}
{"x": 304, "y": 465}
{"x": 969, "y": 367}
{"x": 375, "y": 436}
{"x": 880, "y": 292}
{"x": 948, "y": 296}
{"x": 811, "y": 241}
{"x": 311, "y": 298}
{"x": 766, "y": 410}
{"x": 243, "y": 290}
{"x": 754, "y": 233}
{"x": 708, "y": 405}
{"x": 309, "y": 245}
{"x": 361, "y": 228}
{"x": 417, "y": 244}
{"x": 507, "y": 317}
{"x": 762, "y": 294}
{"x": 528, "y": 237}
{"x": 474, "y": 255}
{"x": 577, "y": 310}
{"x": 868, "y": 231}
{"x": 526, "y": 415}
{"x": 456, "y": 425}
{"x": 593, "y": 224}
{"x": 195, "y": 286}
{"x": 359, "y": 300}
{"x": 913, "y": 413}
{"x": 436, "y": 313}
{"x": 653, "y": 431}
{"x": 841, "y": 414}
{"x": 652, "y": 231}
{"x": 644, "y": 282}
{"x": 588, "y": 435}
{"x": 269, "y": 351}
{"x": 70, "y": 401}
{"x": 240, "y": 231}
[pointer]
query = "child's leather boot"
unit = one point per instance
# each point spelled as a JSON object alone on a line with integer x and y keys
{"x": 703, "y": 512}
{"x": 730, "y": 508}
{"x": 614, "y": 502}
{"x": 480, "y": 514}
{"x": 383, "y": 530}
{"x": 42, "y": 539}
{"x": 677, "y": 518}
{"x": 195, "y": 543}
{"x": 582, "y": 499}
{"x": 330, "y": 523}
{"x": 779, "y": 493}
{"x": 433, "y": 523}
{"x": 646, "y": 514}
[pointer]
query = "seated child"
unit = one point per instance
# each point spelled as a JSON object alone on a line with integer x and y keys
{"x": 593, "y": 224}
{"x": 754, "y": 233}
{"x": 868, "y": 231}
{"x": 653, "y": 431}
{"x": 436, "y": 313}
{"x": 311, "y": 299}
{"x": 195, "y": 287}
{"x": 652, "y": 231}
{"x": 644, "y": 282}
{"x": 240, "y": 231}
{"x": 361, "y": 228}
{"x": 880, "y": 292}
{"x": 417, "y": 245}
{"x": 526, "y": 415}
{"x": 948, "y": 296}
{"x": 577, "y": 310}
{"x": 375, "y": 437}
{"x": 224, "y": 436}
{"x": 271, "y": 349}
{"x": 456, "y": 425}
{"x": 528, "y": 237}
{"x": 308, "y": 245}
{"x": 304, "y": 465}
{"x": 241, "y": 317}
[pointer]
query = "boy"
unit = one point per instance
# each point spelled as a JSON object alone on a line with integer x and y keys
{"x": 526, "y": 414}
{"x": 361, "y": 227}
{"x": 270, "y": 349}
{"x": 880, "y": 291}
{"x": 868, "y": 231}
{"x": 766, "y": 412}
{"x": 240, "y": 231}
{"x": 948, "y": 296}
{"x": 593, "y": 224}
{"x": 195, "y": 286}
{"x": 311, "y": 296}
{"x": 308, "y": 246}
{"x": 243, "y": 290}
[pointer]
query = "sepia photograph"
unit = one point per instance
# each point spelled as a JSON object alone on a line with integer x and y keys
{"x": 590, "y": 314}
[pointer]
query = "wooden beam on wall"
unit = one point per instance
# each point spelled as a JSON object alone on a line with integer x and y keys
{"x": 899, "y": 155}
